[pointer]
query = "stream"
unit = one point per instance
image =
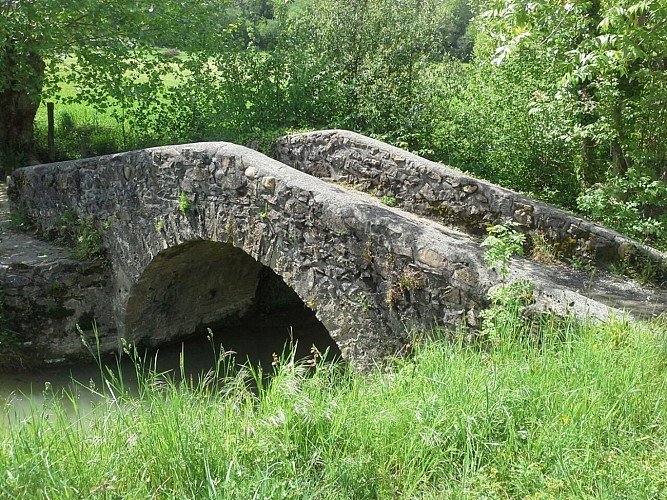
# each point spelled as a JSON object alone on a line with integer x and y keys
{"x": 254, "y": 341}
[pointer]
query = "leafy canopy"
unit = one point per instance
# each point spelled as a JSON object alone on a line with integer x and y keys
{"x": 104, "y": 44}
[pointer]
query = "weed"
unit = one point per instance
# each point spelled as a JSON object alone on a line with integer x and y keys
{"x": 579, "y": 262}
{"x": 365, "y": 303}
{"x": 82, "y": 235}
{"x": 503, "y": 242}
{"x": 183, "y": 203}
{"x": 407, "y": 281}
{"x": 312, "y": 304}
{"x": 368, "y": 252}
{"x": 543, "y": 250}
{"x": 89, "y": 244}
{"x": 388, "y": 200}
{"x": 159, "y": 225}
{"x": 642, "y": 269}
{"x": 263, "y": 215}
{"x": 393, "y": 294}
{"x": 19, "y": 219}
{"x": 411, "y": 279}
{"x": 504, "y": 320}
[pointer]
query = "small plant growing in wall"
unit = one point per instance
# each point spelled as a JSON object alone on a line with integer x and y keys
{"x": 368, "y": 252}
{"x": 82, "y": 235}
{"x": 411, "y": 279}
{"x": 365, "y": 303}
{"x": 265, "y": 213}
{"x": 503, "y": 319}
{"x": 183, "y": 203}
{"x": 503, "y": 242}
{"x": 390, "y": 201}
{"x": 89, "y": 243}
{"x": 542, "y": 250}
{"x": 407, "y": 281}
{"x": 19, "y": 219}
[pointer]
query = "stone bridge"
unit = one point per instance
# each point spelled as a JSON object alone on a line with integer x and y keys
{"x": 194, "y": 235}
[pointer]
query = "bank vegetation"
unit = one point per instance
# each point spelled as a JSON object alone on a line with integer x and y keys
{"x": 536, "y": 409}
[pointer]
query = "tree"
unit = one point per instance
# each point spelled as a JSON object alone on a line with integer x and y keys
{"x": 610, "y": 59}
{"x": 105, "y": 45}
{"x": 370, "y": 57}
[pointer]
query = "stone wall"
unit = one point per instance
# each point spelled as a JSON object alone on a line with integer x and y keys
{"x": 430, "y": 189}
{"x": 46, "y": 294}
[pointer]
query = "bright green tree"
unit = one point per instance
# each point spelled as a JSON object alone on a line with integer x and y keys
{"x": 371, "y": 57}
{"x": 105, "y": 46}
{"x": 608, "y": 58}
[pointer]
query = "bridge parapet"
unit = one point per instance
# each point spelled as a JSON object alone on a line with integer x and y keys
{"x": 443, "y": 193}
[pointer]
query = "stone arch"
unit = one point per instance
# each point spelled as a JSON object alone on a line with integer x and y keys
{"x": 198, "y": 284}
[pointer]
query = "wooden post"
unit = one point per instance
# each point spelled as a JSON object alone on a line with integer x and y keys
{"x": 51, "y": 132}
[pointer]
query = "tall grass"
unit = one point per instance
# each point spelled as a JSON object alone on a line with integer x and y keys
{"x": 550, "y": 410}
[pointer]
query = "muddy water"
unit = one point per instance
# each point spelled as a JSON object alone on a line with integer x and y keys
{"x": 254, "y": 341}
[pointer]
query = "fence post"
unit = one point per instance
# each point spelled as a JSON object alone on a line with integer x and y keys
{"x": 51, "y": 132}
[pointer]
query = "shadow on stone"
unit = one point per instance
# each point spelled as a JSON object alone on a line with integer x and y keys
{"x": 199, "y": 287}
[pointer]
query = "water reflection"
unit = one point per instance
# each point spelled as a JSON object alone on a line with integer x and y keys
{"x": 254, "y": 341}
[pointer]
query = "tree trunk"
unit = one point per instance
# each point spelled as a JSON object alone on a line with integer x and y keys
{"x": 19, "y": 100}
{"x": 591, "y": 171}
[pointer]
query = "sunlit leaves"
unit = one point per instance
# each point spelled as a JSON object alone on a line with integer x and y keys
{"x": 609, "y": 58}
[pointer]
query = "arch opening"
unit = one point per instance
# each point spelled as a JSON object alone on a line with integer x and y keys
{"x": 201, "y": 286}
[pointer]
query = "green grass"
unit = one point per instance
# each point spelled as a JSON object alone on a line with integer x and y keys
{"x": 80, "y": 129}
{"x": 568, "y": 411}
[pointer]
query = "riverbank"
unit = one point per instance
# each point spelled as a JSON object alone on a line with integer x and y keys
{"x": 564, "y": 411}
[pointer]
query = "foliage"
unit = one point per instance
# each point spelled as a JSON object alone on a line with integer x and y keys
{"x": 575, "y": 411}
{"x": 82, "y": 235}
{"x": 497, "y": 124}
{"x": 504, "y": 320}
{"x": 503, "y": 242}
{"x": 634, "y": 203}
{"x": 370, "y": 59}
{"x": 388, "y": 200}
{"x": 543, "y": 250}
{"x": 80, "y": 135}
{"x": 89, "y": 243}
{"x": 109, "y": 51}
{"x": 183, "y": 203}
{"x": 607, "y": 58}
